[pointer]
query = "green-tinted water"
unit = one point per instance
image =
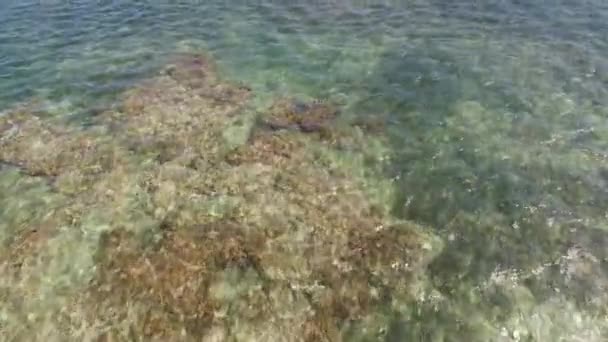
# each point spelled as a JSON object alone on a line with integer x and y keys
{"x": 492, "y": 118}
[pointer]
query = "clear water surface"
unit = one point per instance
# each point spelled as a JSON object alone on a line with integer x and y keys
{"x": 496, "y": 113}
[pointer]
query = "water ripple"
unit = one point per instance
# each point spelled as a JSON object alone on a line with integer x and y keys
{"x": 497, "y": 108}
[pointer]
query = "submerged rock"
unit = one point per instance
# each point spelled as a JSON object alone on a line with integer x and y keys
{"x": 306, "y": 117}
{"x": 166, "y": 117}
{"x": 196, "y": 239}
{"x": 39, "y": 148}
{"x": 193, "y": 70}
{"x": 267, "y": 148}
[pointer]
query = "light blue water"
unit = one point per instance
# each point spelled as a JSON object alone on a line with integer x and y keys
{"x": 496, "y": 112}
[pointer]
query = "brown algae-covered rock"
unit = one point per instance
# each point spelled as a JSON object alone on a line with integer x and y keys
{"x": 41, "y": 148}
{"x": 198, "y": 240}
{"x": 171, "y": 279}
{"x": 307, "y": 117}
{"x": 194, "y": 70}
{"x": 166, "y": 117}
{"x": 267, "y": 148}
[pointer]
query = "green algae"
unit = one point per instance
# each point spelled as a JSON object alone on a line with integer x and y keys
{"x": 504, "y": 205}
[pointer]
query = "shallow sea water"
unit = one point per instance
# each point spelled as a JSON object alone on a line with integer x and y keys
{"x": 494, "y": 115}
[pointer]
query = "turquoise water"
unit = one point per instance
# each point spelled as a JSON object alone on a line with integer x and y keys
{"x": 495, "y": 113}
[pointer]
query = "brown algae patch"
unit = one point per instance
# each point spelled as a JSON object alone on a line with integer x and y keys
{"x": 188, "y": 237}
{"x": 43, "y": 149}
{"x": 315, "y": 116}
{"x": 184, "y": 109}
